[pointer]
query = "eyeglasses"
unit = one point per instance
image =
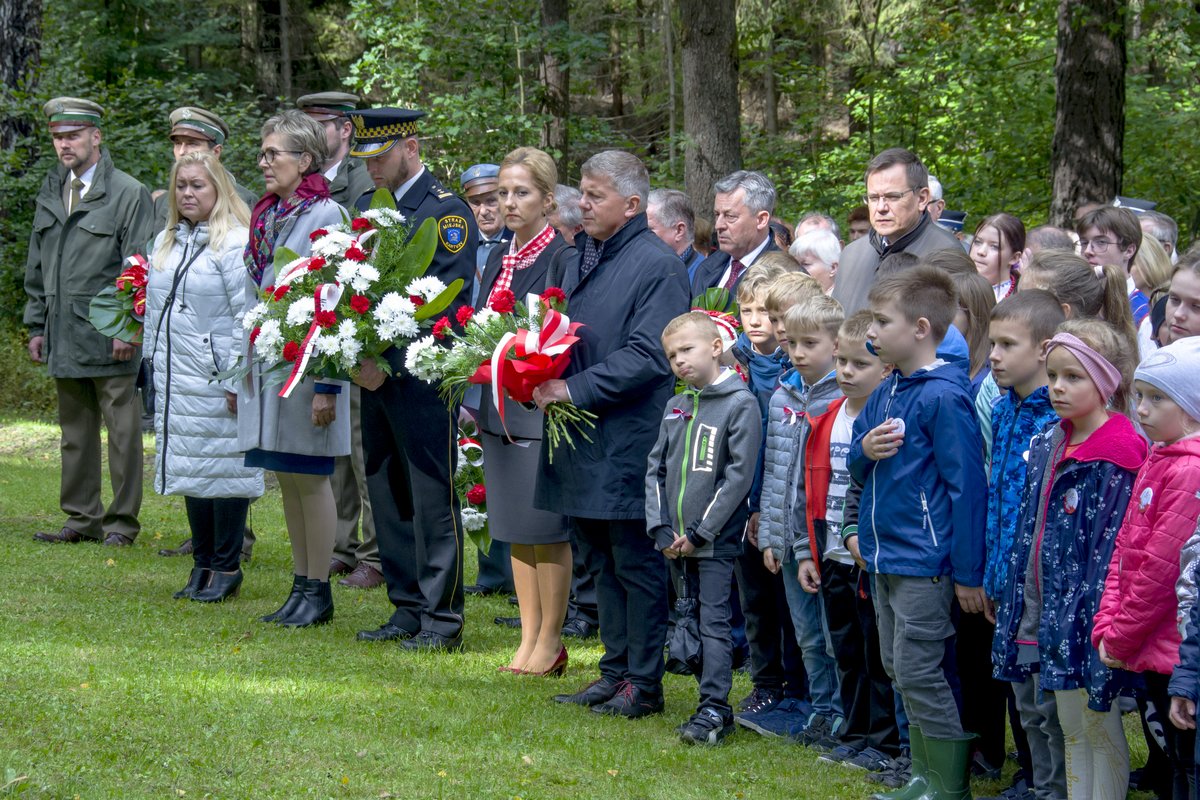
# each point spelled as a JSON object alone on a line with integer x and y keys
{"x": 269, "y": 156}
{"x": 889, "y": 198}
{"x": 1097, "y": 245}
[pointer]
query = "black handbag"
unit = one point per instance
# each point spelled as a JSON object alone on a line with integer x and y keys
{"x": 684, "y": 652}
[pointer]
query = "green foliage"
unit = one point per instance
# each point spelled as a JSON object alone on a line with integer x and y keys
{"x": 26, "y": 389}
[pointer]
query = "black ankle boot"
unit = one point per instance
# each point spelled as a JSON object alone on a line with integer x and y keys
{"x": 196, "y": 581}
{"x": 316, "y": 607}
{"x": 289, "y": 605}
{"x": 222, "y": 586}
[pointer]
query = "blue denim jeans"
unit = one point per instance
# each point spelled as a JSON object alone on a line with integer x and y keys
{"x": 816, "y": 650}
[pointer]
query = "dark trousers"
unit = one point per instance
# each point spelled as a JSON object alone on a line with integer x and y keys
{"x": 710, "y": 580}
{"x": 410, "y": 452}
{"x": 775, "y": 663}
{"x": 986, "y": 702}
{"x": 217, "y": 524}
{"x": 1177, "y": 779}
{"x": 495, "y": 567}
{"x": 866, "y": 690}
{"x": 631, "y": 593}
{"x": 582, "y": 604}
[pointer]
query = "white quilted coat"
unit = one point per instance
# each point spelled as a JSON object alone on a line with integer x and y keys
{"x": 192, "y": 332}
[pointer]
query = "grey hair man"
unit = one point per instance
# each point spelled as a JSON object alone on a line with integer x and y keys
{"x": 669, "y": 215}
{"x": 815, "y": 221}
{"x": 937, "y": 203}
{"x": 567, "y": 217}
{"x": 1161, "y": 227}
{"x": 897, "y": 196}
{"x": 742, "y": 208}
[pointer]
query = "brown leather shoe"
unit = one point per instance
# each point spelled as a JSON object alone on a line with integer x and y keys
{"x": 184, "y": 549}
{"x": 364, "y": 577}
{"x": 64, "y": 536}
{"x": 339, "y": 567}
{"x": 117, "y": 540}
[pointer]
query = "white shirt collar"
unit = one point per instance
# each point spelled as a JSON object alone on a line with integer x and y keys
{"x": 753, "y": 255}
{"x": 331, "y": 173}
{"x": 87, "y": 177}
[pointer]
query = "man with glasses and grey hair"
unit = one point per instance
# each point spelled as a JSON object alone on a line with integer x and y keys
{"x": 897, "y": 197}
{"x": 670, "y": 217}
{"x": 1158, "y": 225}
{"x": 742, "y": 211}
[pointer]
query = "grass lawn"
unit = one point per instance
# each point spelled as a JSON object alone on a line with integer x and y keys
{"x": 111, "y": 689}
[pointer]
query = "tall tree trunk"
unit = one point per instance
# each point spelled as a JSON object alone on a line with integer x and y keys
{"x": 614, "y": 68}
{"x": 20, "y": 52}
{"x": 1089, "y": 120}
{"x": 668, "y": 27}
{"x": 285, "y": 49}
{"x": 770, "y": 97}
{"x": 557, "y": 80}
{"x": 711, "y": 111}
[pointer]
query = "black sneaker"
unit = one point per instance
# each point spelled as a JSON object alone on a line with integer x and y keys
{"x": 841, "y": 754}
{"x": 598, "y": 691}
{"x": 897, "y": 774}
{"x": 759, "y": 700}
{"x": 819, "y": 729}
{"x": 868, "y": 759}
{"x": 707, "y": 726}
{"x": 631, "y": 702}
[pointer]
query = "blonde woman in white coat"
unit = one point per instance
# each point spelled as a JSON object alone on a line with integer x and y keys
{"x": 194, "y": 302}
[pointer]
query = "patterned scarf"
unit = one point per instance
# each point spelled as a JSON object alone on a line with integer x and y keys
{"x": 523, "y": 259}
{"x": 268, "y": 218}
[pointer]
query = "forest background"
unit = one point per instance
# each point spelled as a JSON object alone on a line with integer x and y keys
{"x": 1026, "y": 106}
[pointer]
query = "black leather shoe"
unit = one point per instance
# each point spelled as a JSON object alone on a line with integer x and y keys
{"x": 598, "y": 691}
{"x": 508, "y": 622}
{"x": 117, "y": 540}
{"x": 479, "y": 590}
{"x": 289, "y": 605}
{"x": 184, "y": 549}
{"x": 387, "y": 632}
{"x": 314, "y": 608}
{"x": 577, "y": 628}
{"x": 433, "y": 642}
{"x": 197, "y": 580}
{"x": 632, "y": 703}
{"x": 221, "y": 586}
{"x": 512, "y": 600}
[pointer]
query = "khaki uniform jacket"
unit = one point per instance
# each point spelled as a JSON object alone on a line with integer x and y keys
{"x": 72, "y": 258}
{"x": 351, "y": 182}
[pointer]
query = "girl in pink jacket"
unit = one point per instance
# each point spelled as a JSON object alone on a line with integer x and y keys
{"x": 1135, "y": 628}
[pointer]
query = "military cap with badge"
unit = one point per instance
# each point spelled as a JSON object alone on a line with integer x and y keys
{"x": 68, "y": 114}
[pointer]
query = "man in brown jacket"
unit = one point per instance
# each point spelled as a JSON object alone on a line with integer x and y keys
{"x": 89, "y": 218}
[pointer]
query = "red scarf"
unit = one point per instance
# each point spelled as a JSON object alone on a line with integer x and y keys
{"x": 268, "y": 215}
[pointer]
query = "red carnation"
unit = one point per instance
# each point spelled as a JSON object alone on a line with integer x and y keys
{"x": 254, "y": 334}
{"x": 553, "y": 294}
{"x": 280, "y": 292}
{"x": 269, "y": 290}
{"x": 504, "y": 302}
{"x": 315, "y": 263}
{"x": 355, "y": 253}
{"x": 477, "y": 495}
{"x": 325, "y": 319}
{"x": 440, "y": 327}
{"x": 317, "y": 234}
{"x": 464, "y": 315}
{"x": 360, "y": 304}
{"x": 361, "y": 224}
{"x": 291, "y": 351}
{"x": 416, "y": 300}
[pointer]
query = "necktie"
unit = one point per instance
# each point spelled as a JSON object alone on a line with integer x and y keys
{"x": 76, "y": 194}
{"x": 736, "y": 268}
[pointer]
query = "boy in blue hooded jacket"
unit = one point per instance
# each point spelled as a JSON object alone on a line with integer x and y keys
{"x": 918, "y": 453}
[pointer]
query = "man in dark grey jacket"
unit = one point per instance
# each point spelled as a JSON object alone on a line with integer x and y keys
{"x": 625, "y": 287}
{"x": 897, "y": 198}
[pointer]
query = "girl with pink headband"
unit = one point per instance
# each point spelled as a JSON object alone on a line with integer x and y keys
{"x": 1081, "y": 474}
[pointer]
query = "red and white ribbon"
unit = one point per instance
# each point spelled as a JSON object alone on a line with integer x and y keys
{"x": 790, "y": 415}
{"x": 727, "y": 326}
{"x": 554, "y": 339}
{"x": 325, "y": 298}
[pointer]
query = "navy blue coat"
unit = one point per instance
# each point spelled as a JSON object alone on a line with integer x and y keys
{"x": 619, "y": 371}
{"x": 1069, "y": 518}
{"x": 457, "y": 238}
{"x": 709, "y": 272}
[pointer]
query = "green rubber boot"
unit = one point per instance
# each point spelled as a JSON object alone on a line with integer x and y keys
{"x": 917, "y": 784}
{"x": 946, "y": 769}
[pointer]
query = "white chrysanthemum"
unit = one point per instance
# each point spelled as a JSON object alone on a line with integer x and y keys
{"x": 384, "y": 217}
{"x": 347, "y": 271}
{"x": 364, "y": 277}
{"x": 253, "y": 316}
{"x": 350, "y": 348}
{"x": 426, "y": 287}
{"x": 347, "y": 329}
{"x": 484, "y": 317}
{"x": 299, "y": 313}
{"x": 333, "y": 243}
{"x": 328, "y": 344}
{"x": 473, "y": 519}
{"x": 392, "y": 305}
{"x": 406, "y": 327}
{"x": 270, "y": 339}
{"x": 420, "y": 360}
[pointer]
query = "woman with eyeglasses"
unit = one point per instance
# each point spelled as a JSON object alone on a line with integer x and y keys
{"x": 297, "y": 437}
{"x": 196, "y": 294}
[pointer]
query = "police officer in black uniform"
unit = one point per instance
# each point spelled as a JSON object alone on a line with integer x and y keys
{"x": 408, "y": 433}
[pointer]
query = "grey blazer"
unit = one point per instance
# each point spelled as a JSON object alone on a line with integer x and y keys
{"x": 266, "y": 420}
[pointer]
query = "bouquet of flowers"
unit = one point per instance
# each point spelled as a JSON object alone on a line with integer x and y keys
{"x": 361, "y": 291}
{"x": 469, "y": 488}
{"x": 119, "y": 310}
{"x": 720, "y": 305}
{"x": 513, "y": 347}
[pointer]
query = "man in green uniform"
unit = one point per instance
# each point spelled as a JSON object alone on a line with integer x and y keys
{"x": 89, "y": 218}
{"x": 347, "y": 176}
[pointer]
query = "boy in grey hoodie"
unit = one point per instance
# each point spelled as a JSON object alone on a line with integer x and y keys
{"x": 697, "y": 479}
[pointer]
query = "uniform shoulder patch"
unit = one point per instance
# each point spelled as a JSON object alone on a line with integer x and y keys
{"x": 452, "y": 230}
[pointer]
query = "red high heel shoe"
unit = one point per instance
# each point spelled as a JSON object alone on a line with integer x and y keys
{"x": 557, "y": 669}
